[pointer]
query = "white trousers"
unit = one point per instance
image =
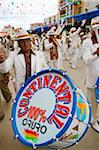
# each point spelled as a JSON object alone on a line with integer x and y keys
{"x": 75, "y": 57}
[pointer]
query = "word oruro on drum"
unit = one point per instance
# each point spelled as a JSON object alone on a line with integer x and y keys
{"x": 62, "y": 92}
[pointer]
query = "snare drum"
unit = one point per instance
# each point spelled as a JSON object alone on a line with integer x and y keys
{"x": 48, "y": 111}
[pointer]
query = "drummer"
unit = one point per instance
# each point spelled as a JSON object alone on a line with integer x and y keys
{"x": 26, "y": 62}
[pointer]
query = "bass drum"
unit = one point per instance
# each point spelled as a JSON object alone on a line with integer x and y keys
{"x": 43, "y": 108}
{"x": 49, "y": 110}
{"x": 79, "y": 125}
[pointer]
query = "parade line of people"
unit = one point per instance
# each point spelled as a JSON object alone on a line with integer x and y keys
{"x": 27, "y": 54}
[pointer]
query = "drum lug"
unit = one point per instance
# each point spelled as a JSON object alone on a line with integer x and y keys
{"x": 50, "y": 68}
{"x": 76, "y": 143}
{"x": 65, "y": 72}
{"x": 14, "y": 101}
{"x": 96, "y": 86}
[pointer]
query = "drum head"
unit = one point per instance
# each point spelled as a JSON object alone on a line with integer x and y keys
{"x": 43, "y": 108}
{"x": 79, "y": 125}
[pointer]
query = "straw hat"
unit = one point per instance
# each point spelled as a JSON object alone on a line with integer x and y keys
{"x": 52, "y": 33}
{"x": 84, "y": 36}
{"x": 95, "y": 23}
{"x": 22, "y": 34}
{"x": 81, "y": 34}
{"x": 72, "y": 29}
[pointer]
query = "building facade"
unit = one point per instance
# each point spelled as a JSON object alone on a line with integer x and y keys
{"x": 51, "y": 20}
{"x": 92, "y": 5}
{"x": 65, "y": 9}
{"x": 68, "y": 8}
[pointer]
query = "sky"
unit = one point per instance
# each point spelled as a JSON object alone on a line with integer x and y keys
{"x": 24, "y": 12}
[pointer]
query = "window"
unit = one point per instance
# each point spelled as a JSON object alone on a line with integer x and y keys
{"x": 62, "y": 3}
{"x": 71, "y": 9}
{"x": 79, "y": 10}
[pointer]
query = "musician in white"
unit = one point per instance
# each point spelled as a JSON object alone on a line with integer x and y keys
{"x": 64, "y": 46}
{"x": 75, "y": 44}
{"x": 22, "y": 72}
{"x": 55, "y": 51}
{"x": 91, "y": 59}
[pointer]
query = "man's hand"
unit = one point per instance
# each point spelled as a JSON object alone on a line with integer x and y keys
{"x": 83, "y": 22}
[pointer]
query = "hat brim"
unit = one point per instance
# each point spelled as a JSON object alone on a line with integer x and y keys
{"x": 52, "y": 34}
{"x": 95, "y": 26}
{"x": 23, "y": 38}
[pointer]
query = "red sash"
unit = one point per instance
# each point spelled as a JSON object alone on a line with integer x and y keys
{"x": 53, "y": 54}
{"x": 94, "y": 37}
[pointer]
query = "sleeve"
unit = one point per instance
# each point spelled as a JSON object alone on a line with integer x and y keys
{"x": 76, "y": 33}
{"x": 41, "y": 62}
{"x": 89, "y": 58}
{"x": 7, "y": 65}
{"x": 87, "y": 54}
{"x": 48, "y": 45}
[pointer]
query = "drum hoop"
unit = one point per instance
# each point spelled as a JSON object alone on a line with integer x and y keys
{"x": 90, "y": 112}
{"x": 66, "y": 126}
{"x": 97, "y": 83}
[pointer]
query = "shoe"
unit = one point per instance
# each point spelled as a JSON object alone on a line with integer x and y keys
{"x": 95, "y": 126}
{"x": 2, "y": 115}
{"x": 73, "y": 67}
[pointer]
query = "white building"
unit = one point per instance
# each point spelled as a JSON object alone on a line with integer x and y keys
{"x": 90, "y": 5}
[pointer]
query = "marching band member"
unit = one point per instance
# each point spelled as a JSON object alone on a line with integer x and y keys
{"x": 74, "y": 49}
{"x": 55, "y": 49}
{"x": 64, "y": 46}
{"x": 4, "y": 80}
{"x": 26, "y": 63}
{"x": 91, "y": 59}
{"x": 34, "y": 44}
{"x": 81, "y": 35}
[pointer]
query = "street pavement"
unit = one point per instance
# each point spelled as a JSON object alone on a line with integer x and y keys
{"x": 7, "y": 141}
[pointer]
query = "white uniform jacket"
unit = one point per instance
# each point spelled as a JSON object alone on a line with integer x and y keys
{"x": 37, "y": 64}
{"x": 74, "y": 40}
{"x": 91, "y": 62}
{"x": 59, "y": 48}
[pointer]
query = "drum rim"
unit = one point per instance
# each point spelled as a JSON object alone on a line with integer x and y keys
{"x": 87, "y": 126}
{"x": 66, "y": 126}
{"x": 97, "y": 83}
